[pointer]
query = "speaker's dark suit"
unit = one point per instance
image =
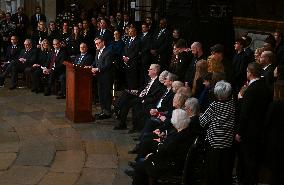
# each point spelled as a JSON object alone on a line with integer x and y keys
{"x": 55, "y": 62}
{"x": 145, "y": 56}
{"x": 104, "y": 79}
{"x": 18, "y": 66}
{"x": 162, "y": 44}
{"x": 131, "y": 50}
{"x": 254, "y": 106}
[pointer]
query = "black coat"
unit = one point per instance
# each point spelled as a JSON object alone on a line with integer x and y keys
{"x": 254, "y": 106}
{"x": 34, "y": 21}
{"x": 104, "y": 63}
{"x": 12, "y": 54}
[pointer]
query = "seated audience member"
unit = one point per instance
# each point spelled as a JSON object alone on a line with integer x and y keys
{"x": 220, "y": 120}
{"x": 37, "y": 68}
{"x": 164, "y": 105}
{"x": 176, "y": 85}
{"x": 147, "y": 96}
{"x": 56, "y": 69}
{"x": 24, "y": 62}
{"x": 169, "y": 156}
{"x": 84, "y": 58}
{"x": 274, "y": 130}
{"x": 191, "y": 106}
{"x": 11, "y": 56}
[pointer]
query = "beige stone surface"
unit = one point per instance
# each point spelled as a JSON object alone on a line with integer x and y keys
{"x": 59, "y": 179}
{"x": 71, "y": 161}
{"x": 6, "y": 160}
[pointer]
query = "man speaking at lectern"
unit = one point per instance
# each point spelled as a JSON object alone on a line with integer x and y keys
{"x": 101, "y": 68}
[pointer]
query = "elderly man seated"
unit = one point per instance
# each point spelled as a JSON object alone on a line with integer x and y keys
{"x": 147, "y": 97}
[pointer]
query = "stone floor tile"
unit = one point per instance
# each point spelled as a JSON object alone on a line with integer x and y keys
{"x": 71, "y": 161}
{"x": 24, "y": 175}
{"x": 59, "y": 179}
{"x": 7, "y": 160}
{"x": 100, "y": 147}
{"x": 68, "y": 144}
{"x": 9, "y": 147}
{"x": 102, "y": 161}
{"x": 92, "y": 176}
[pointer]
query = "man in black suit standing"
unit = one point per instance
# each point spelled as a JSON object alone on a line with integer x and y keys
{"x": 266, "y": 62}
{"x": 145, "y": 52}
{"x": 83, "y": 59}
{"x": 131, "y": 59}
{"x": 253, "y": 107}
{"x": 101, "y": 68}
{"x": 161, "y": 45}
{"x": 38, "y": 16}
{"x": 104, "y": 32}
{"x": 22, "y": 23}
{"x": 56, "y": 69}
{"x": 26, "y": 59}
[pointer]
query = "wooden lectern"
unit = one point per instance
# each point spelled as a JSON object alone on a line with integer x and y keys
{"x": 78, "y": 93}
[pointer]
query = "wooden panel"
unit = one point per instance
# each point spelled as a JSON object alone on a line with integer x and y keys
{"x": 78, "y": 94}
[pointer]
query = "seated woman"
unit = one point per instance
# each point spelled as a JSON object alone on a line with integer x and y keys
{"x": 37, "y": 71}
{"x": 170, "y": 154}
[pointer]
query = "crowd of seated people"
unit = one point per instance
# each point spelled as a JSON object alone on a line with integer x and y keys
{"x": 176, "y": 93}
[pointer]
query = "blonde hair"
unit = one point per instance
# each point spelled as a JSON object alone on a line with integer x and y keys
{"x": 201, "y": 70}
{"x": 214, "y": 66}
{"x": 176, "y": 85}
{"x": 186, "y": 91}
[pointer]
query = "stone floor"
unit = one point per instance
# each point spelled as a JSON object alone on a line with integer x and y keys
{"x": 39, "y": 146}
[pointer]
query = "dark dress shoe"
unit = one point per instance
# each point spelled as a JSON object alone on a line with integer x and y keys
{"x": 120, "y": 127}
{"x": 130, "y": 173}
{"x": 13, "y": 87}
{"x": 132, "y": 164}
{"x": 104, "y": 116}
{"x": 61, "y": 97}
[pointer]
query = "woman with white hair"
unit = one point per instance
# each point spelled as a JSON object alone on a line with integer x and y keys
{"x": 170, "y": 155}
{"x": 220, "y": 120}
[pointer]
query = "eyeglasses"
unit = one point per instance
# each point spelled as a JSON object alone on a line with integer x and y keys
{"x": 97, "y": 43}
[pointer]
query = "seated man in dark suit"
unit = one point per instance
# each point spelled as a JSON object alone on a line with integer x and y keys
{"x": 12, "y": 54}
{"x": 147, "y": 96}
{"x": 26, "y": 59}
{"x": 83, "y": 59}
{"x": 56, "y": 69}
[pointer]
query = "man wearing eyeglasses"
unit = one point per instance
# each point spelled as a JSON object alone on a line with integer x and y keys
{"x": 101, "y": 69}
